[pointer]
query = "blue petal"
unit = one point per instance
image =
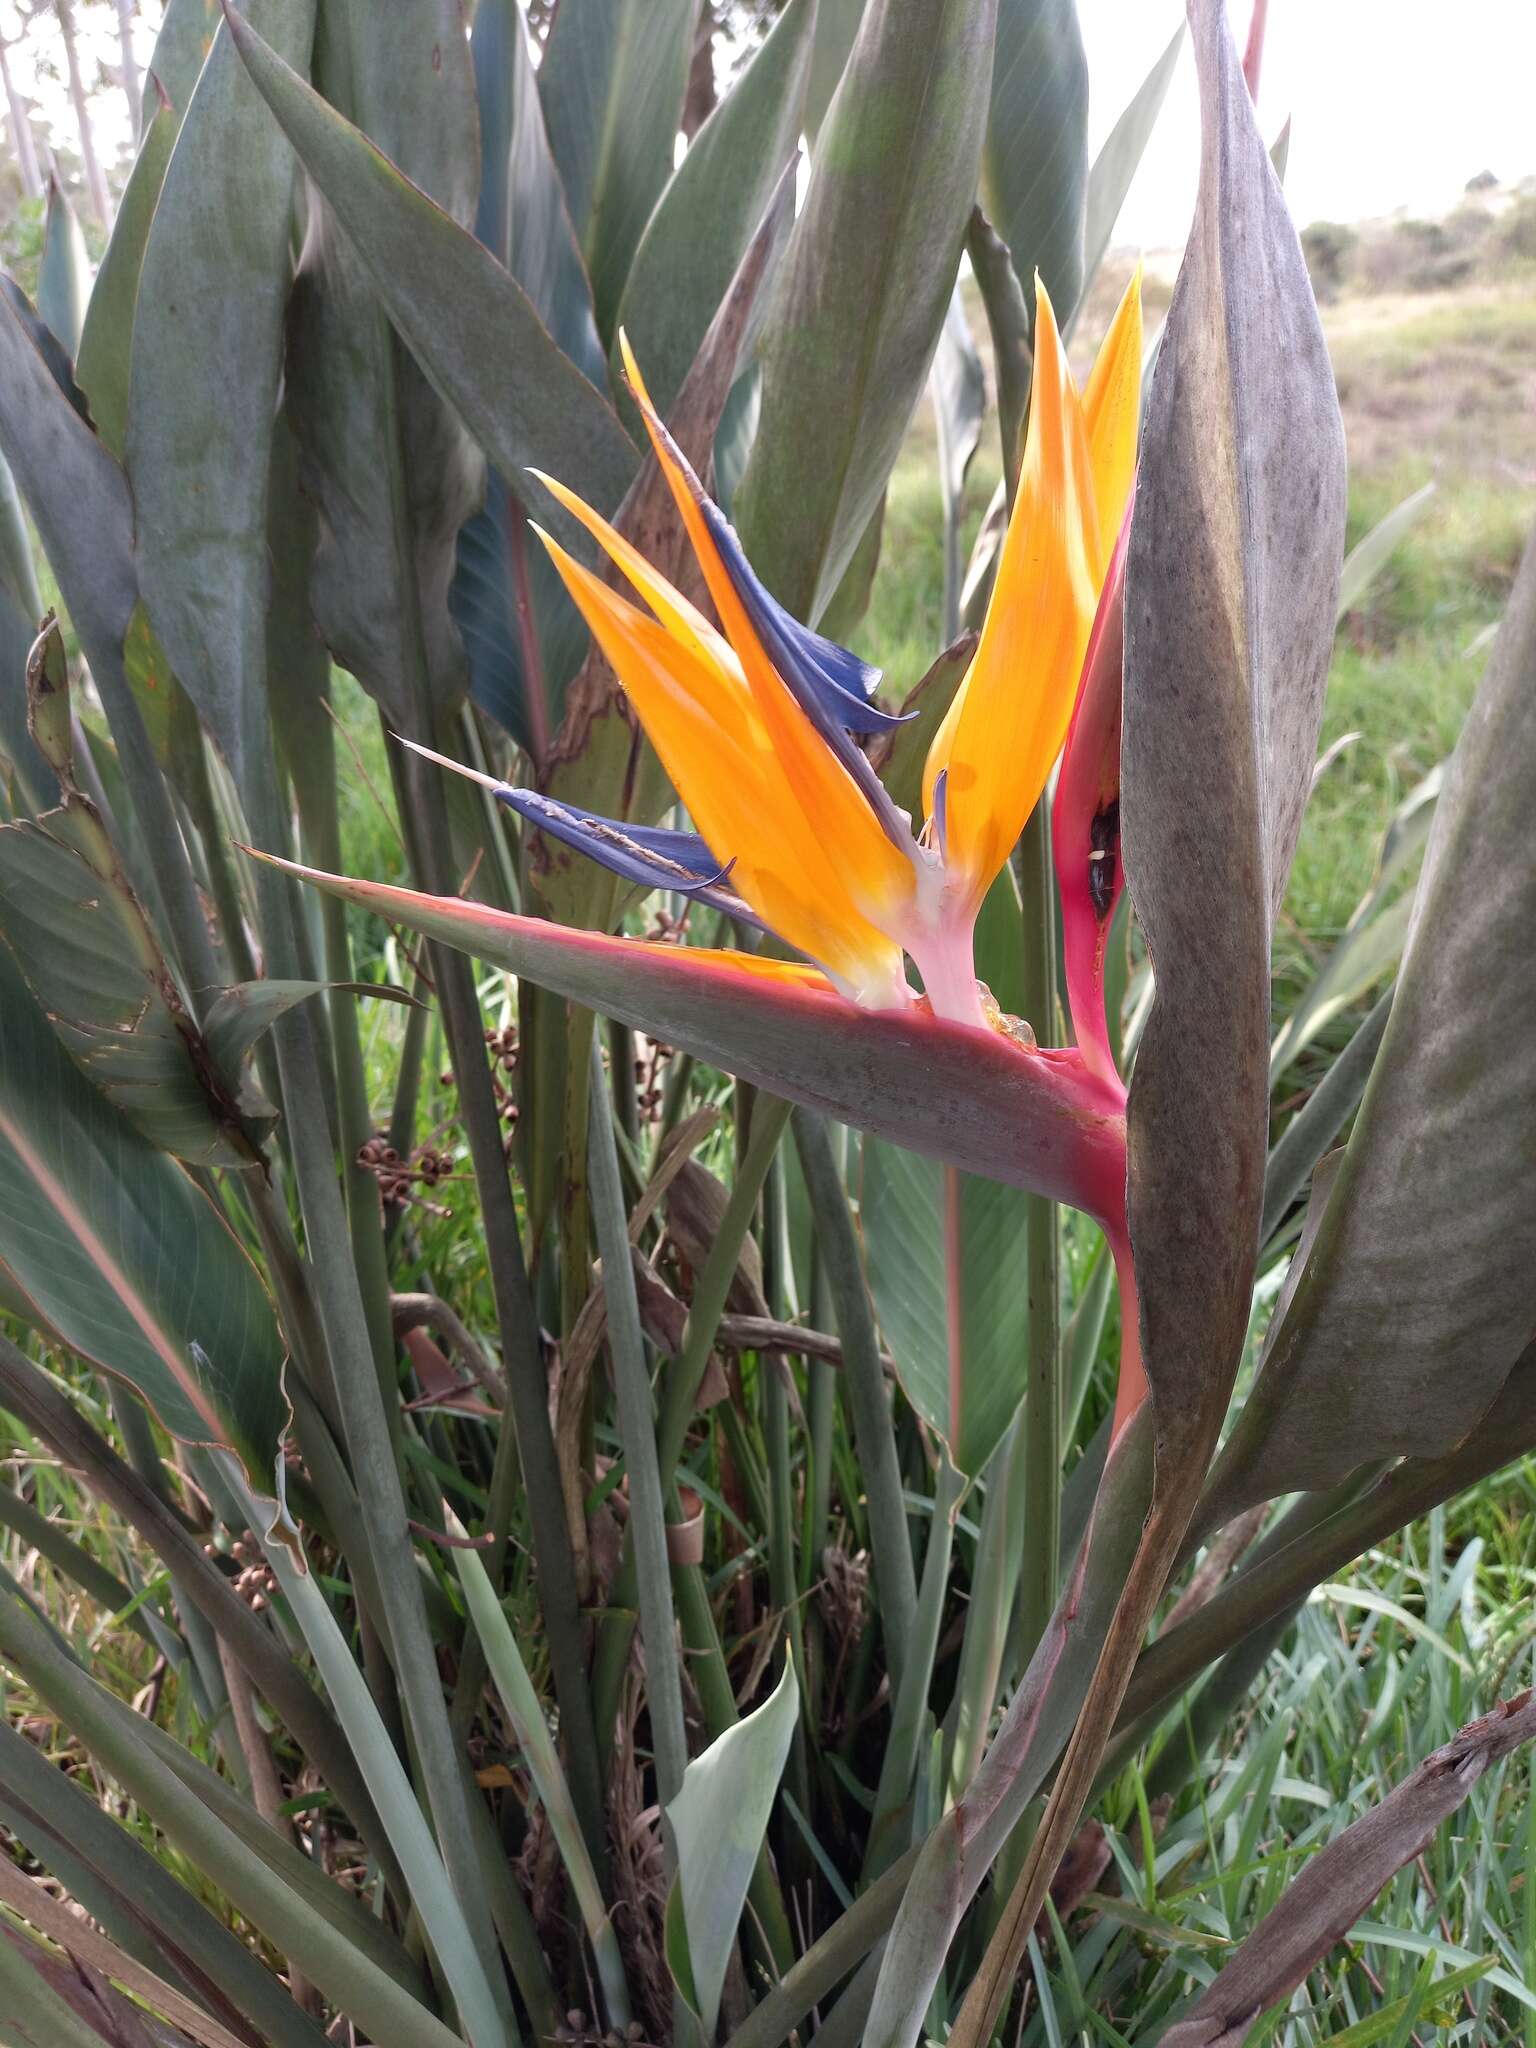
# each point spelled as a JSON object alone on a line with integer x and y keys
{"x": 811, "y": 664}
{"x": 648, "y": 854}
{"x": 814, "y": 686}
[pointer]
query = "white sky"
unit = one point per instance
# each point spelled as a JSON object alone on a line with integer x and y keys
{"x": 1393, "y": 103}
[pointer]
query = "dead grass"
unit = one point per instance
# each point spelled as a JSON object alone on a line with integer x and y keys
{"x": 1443, "y": 380}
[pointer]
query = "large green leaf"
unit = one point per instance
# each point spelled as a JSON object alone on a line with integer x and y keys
{"x": 106, "y": 341}
{"x": 867, "y": 277}
{"x": 522, "y": 216}
{"x": 386, "y": 462}
{"x": 708, "y": 213}
{"x": 1116, "y": 164}
{"x": 958, "y": 1336}
{"x": 470, "y": 325}
{"x": 206, "y": 370}
{"x": 837, "y": 27}
{"x": 92, "y": 961}
{"x": 1034, "y": 168}
{"x": 26, "y": 781}
{"x": 1420, "y": 1289}
{"x": 187, "y": 30}
{"x": 719, "y": 1820}
{"x": 969, "y": 1097}
{"x": 612, "y": 83}
{"x": 122, "y": 1256}
{"x": 18, "y": 572}
{"x": 76, "y": 494}
{"x": 63, "y": 272}
{"x": 522, "y": 635}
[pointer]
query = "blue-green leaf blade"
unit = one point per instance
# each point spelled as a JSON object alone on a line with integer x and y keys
{"x": 122, "y": 1255}
{"x": 867, "y": 276}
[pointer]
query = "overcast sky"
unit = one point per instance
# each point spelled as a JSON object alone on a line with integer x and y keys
{"x": 1393, "y": 103}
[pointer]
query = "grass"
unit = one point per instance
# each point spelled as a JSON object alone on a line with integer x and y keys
{"x": 1416, "y": 1638}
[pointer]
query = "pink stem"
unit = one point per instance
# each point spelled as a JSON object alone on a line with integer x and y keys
{"x": 1253, "y": 55}
{"x": 1085, "y": 819}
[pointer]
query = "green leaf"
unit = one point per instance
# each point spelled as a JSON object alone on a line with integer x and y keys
{"x": 972, "y": 1099}
{"x": 958, "y": 388}
{"x": 18, "y": 574}
{"x": 75, "y": 492}
{"x": 162, "y": 1778}
{"x": 1372, "y": 941}
{"x": 857, "y": 314}
{"x": 850, "y": 601}
{"x": 709, "y": 211}
{"x": 612, "y": 82}
{"x": 1034, "y": 168}
{"x": 388, "y": 465}
{"x": 912, "y": 1210}
{"x": 64, "y": 271}
{"x": 899, "y": 760}
{"x": 187, "y": 30}
{"x": 1318, "y": 1122}
{"x": 106, "y": 341}
{"x": 484, "y": 2007}
{"x": 1116, "y": 164}
{"x": 1009, "y": 324}
{"x": 206, "y": 370}
{"x": 471, "y": 326}
{"x": 522, "y": 216}
{"x": 837, "y": 28}
{"x": 1379, "y": 2026}
{"x": 523, "y": 220}
{"x": 90, "y": 958}
{"x": 238, "y": 1016}
{"x": 525, "y": 1713}
{"x": 26, "y": 780}
{"x": 88, "y": 1209}
{"x": 719, "y": 1820}
{"x": 1372, "y": 552}
{"x": 1420, "y": 1289}
{"x": 97, "y": 1859}
{"x": 23, "y": 771}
